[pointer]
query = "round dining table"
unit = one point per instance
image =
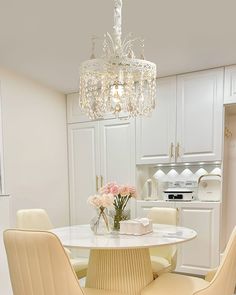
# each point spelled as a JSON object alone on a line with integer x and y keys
{"x": 121, "y": 262}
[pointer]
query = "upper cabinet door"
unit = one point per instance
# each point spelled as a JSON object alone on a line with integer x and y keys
{"x": 83, "y": 144}
{"x": 74, "y": 113}
{"x": 117, "y": 139}
{"x": 199, "y": 116}
{"x": 230, "y": 85}
{"x": 155, "y": 136}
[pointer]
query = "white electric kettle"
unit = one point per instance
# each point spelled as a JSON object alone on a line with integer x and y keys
{"x": 150, "y": 189}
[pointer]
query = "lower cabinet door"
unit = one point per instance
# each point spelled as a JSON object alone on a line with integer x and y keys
{"x": 202, "y": 253}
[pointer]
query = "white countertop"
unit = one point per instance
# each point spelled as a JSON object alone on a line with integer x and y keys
{"x": 196, "y": 201}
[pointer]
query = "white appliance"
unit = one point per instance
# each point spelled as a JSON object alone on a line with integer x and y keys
{"x": 209, "y": 188}
{"x": 178, "y": 194}
{"x": 150, "y": 189}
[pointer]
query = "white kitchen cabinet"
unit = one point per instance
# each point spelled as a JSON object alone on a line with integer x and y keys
{"x": 200, "y": 116}
{"x": 99, "y": 152}
{"x": 187, "y": 124}
{"x": 202, "y": 253}
{"x": 155, "y": 136}
{"x": 74, "y": 113}
{"x": 84, "y": 168}
{"x": 230, "y": 85}
{"x": 117, "y": 148}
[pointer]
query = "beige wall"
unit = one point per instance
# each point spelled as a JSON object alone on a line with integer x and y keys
{"x": 35, "y": 149}
{"x": 229, "y": 201}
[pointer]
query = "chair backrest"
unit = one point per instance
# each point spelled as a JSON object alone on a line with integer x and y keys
{"x": 224, "y": 280}
{"x": 35, "y": 219}
{"x": 38, "y": 264}
{"x": 164, "y": 216}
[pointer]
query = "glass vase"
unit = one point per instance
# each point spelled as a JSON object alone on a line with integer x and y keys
{"x": 102, "y": 223}
{"x": 119, "y": 215}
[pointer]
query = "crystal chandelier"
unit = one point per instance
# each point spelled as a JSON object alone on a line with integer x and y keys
{"x": 118, "y": 82}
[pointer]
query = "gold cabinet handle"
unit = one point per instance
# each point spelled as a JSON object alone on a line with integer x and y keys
{"x": 101, "y": 181}
{"x": 97, "y": 188}
{"x": 171, "y": 150}
{"x": 177, "y": 154}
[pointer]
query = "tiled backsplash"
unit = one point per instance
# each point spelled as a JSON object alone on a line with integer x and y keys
{"x": 172, "y": 176}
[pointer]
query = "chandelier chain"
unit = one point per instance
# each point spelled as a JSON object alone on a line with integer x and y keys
{"x": 117, "y": 22}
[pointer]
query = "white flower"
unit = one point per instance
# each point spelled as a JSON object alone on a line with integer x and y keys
{"x": 107, "y": 200}
{"x": 104, "y": 200}
{"x": 95, "y": 201}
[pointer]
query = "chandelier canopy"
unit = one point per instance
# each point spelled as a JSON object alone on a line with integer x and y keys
{"x": 117, "y": 83}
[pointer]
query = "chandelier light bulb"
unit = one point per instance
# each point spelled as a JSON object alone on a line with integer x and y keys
{"x": 118, "y": 82}
{"x": 117, "y": 92}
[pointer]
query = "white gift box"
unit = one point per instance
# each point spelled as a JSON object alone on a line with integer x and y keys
{"x": 138, "y": 226}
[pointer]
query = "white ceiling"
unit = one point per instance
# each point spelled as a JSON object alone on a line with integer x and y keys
{"x": 48, "y": 39}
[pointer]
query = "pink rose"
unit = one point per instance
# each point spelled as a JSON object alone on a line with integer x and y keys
{"x": 114, "y": 189}
{"x": 132, "y": 191}
{"x": 106, "y": 189}
{"x": 124, "y": 191}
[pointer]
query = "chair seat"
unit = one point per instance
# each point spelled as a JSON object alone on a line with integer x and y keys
{"x": 80, "y": 266}
{"x": 160, "y": 264}
{"x": 210, "y": 275}
{"x": 90, "y": 291}
{"x": 79, "y": 263}
{"x": 174, "y": 284}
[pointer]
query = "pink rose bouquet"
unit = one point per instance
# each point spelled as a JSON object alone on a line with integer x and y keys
{"x": 121, "y": 195}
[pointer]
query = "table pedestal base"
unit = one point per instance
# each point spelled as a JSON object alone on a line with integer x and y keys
{"x": 123, "y": 270}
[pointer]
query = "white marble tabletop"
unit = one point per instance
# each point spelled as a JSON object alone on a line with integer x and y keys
{"x": 81, "y": 236}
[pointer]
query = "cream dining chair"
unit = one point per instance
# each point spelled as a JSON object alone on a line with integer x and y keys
{"x": 39, "y": 265}
{"x": 223, "y": 282}
{"x": 38, "y": 219}
{"x": 163, "y": 258}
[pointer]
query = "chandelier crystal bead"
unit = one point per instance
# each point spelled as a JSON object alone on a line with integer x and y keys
{"x": 117, "y": 83}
